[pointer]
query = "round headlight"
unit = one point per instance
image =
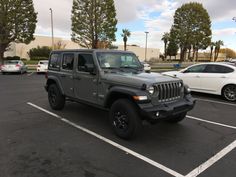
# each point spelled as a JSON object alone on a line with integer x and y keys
{"x": 187, "y": 90}
{"x": 151, "y": 90}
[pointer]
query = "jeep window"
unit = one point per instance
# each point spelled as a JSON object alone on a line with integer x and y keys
{"x": 118, "y": 60}
{"x": 54, "y": 61}
{"x": 85, "y": 61}
{"x": 68, "y": 61}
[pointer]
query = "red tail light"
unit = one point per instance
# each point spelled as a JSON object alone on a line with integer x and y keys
{"x": 17, "y": 65}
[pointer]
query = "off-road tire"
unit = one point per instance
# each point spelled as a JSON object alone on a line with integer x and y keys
{"x": 55, "y": 97}
{"x": 125, "y": 119}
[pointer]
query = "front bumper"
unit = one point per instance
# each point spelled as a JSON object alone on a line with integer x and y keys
{"x": 165, "y": 110}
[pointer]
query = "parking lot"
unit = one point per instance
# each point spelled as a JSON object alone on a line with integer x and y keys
{"x": 39, "y": 142}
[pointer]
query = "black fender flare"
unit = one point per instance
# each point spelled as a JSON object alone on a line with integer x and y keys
{"x": 123, "y": 91}
{"x": 53, "y": 79}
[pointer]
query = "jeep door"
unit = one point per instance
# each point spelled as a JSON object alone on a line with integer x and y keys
{"x": 66, "y": 74}
{"x": 85, "y": 78}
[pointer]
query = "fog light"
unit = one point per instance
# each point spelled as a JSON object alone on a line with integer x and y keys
{"x": 157, "y": 114}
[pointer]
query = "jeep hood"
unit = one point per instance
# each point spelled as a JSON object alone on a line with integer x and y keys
{"x": 136, "y": 80}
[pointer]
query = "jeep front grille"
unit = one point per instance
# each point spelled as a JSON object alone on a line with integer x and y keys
{"x": 169, "y": 91}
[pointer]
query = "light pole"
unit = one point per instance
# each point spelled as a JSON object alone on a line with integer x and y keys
{"x": 234, "y": 19}
{"x": 52, "y": 27}
{"x": 146, "y": 46}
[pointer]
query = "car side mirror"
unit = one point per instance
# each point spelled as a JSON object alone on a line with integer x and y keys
{"x": 90, "y": 68}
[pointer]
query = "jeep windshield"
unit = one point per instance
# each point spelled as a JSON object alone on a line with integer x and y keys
{"x": 118, "y": 60}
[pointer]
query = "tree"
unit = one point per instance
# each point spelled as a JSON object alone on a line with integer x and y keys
{"x": 212, "y": 48}
{"x": 229, "y": 53}
{"x": 165, "y": 39}
{"x": 17, "y": 23}
{"x": 172, "y": 48}
{"x": 192, "y": 27}
{"x": 59, "y": 45}
{"x": 218, "y": 44}
{"x": 40, "y": 53}
{"x": 125, "y": 34}
{"x": 93, "y": 21}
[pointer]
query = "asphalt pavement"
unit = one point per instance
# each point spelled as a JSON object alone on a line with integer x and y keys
{"x": 36, "y": 141}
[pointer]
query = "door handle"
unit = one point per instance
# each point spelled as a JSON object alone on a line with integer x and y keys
{"x": 198, "y": 76}
{"x": 63, "y": 75}
{"x": 223, "y": 76}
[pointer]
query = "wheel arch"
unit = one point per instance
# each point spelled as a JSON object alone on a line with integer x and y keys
{"x": 120, "y": 93}
{"x": 53, "y": 80}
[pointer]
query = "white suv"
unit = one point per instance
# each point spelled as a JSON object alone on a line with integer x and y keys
{"x": 42, "y": 66}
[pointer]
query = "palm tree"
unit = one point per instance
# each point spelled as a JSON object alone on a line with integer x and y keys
{"x": 212, "y": 47}
{"x": 218, "y": 44}
{"x": 125, "y": 34}
{"x": 165, "y": 38}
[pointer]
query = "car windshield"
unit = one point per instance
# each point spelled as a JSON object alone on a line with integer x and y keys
{"x": 117, "y": 60}
{"x": 11, "y": 62}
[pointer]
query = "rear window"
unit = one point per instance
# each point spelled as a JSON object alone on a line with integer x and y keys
{"x": 54, "y": 62}
{"x": 43, "y": 62}
{"x": 11, "y": 62}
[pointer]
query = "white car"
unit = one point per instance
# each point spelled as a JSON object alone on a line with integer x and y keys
{"x": 146, "y": 67}
{"x": 42, "y": 66}
{"x": 13, "y": 66}
{"x": 213, "y": 78}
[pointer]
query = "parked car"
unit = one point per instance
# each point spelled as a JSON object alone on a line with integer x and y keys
{"x": 146, "y": 67}
{"x": 42, "y": 66}
{"x": 115, "y": 81}
{"x": 213, "y": 78}
{"x": 13, "y": 66}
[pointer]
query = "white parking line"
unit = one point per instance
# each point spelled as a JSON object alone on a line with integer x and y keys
{"x": 197, "y": 171}
{"x": 218, "y": 102}
{"x": 129, "y": 151}
{"x": 30, "y": 74}
{"x": 211, "y": 122}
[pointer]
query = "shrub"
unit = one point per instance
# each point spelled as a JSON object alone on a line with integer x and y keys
{"x": 40, "y": 53}
{"x": 12, "y": 58}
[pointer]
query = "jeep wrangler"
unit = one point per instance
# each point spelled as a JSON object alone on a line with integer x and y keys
{"x": 115, "y": 80}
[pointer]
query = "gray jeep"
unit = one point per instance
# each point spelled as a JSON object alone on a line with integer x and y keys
{"x": 115, "y": 81}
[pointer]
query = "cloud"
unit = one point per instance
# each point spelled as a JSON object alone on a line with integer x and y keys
{"x": 157, "y": 16}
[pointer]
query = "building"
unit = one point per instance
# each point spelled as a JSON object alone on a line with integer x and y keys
{"x": 152, "y": 53}
{"x": 21, "y": 50}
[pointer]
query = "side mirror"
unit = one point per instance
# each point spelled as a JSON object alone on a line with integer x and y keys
{"x": 90, "y": 68}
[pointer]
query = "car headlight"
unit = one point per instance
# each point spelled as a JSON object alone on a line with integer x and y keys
{"x": 187, "y": 90}
{"x": 151, "y": 90}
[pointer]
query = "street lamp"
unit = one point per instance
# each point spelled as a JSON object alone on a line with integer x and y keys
{"x": 146, "y": 45}
{"x": 52, "y": 27}
{"x": 234, "y": 19}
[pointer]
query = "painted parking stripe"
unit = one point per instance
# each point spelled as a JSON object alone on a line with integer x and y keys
{"x": 129, "y": 151}
{"x": 211, "y": 122}
{"x": 213, "y": 101}
{"x": 30, "y": 74}
{"x": 197, "y": 171}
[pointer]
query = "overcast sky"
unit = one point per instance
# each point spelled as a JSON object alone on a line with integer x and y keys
{"x": 154, "y": 16}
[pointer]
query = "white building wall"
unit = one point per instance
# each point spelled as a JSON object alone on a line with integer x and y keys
{"x": 21, "y": 50}
{"x": 140, "y": 52}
